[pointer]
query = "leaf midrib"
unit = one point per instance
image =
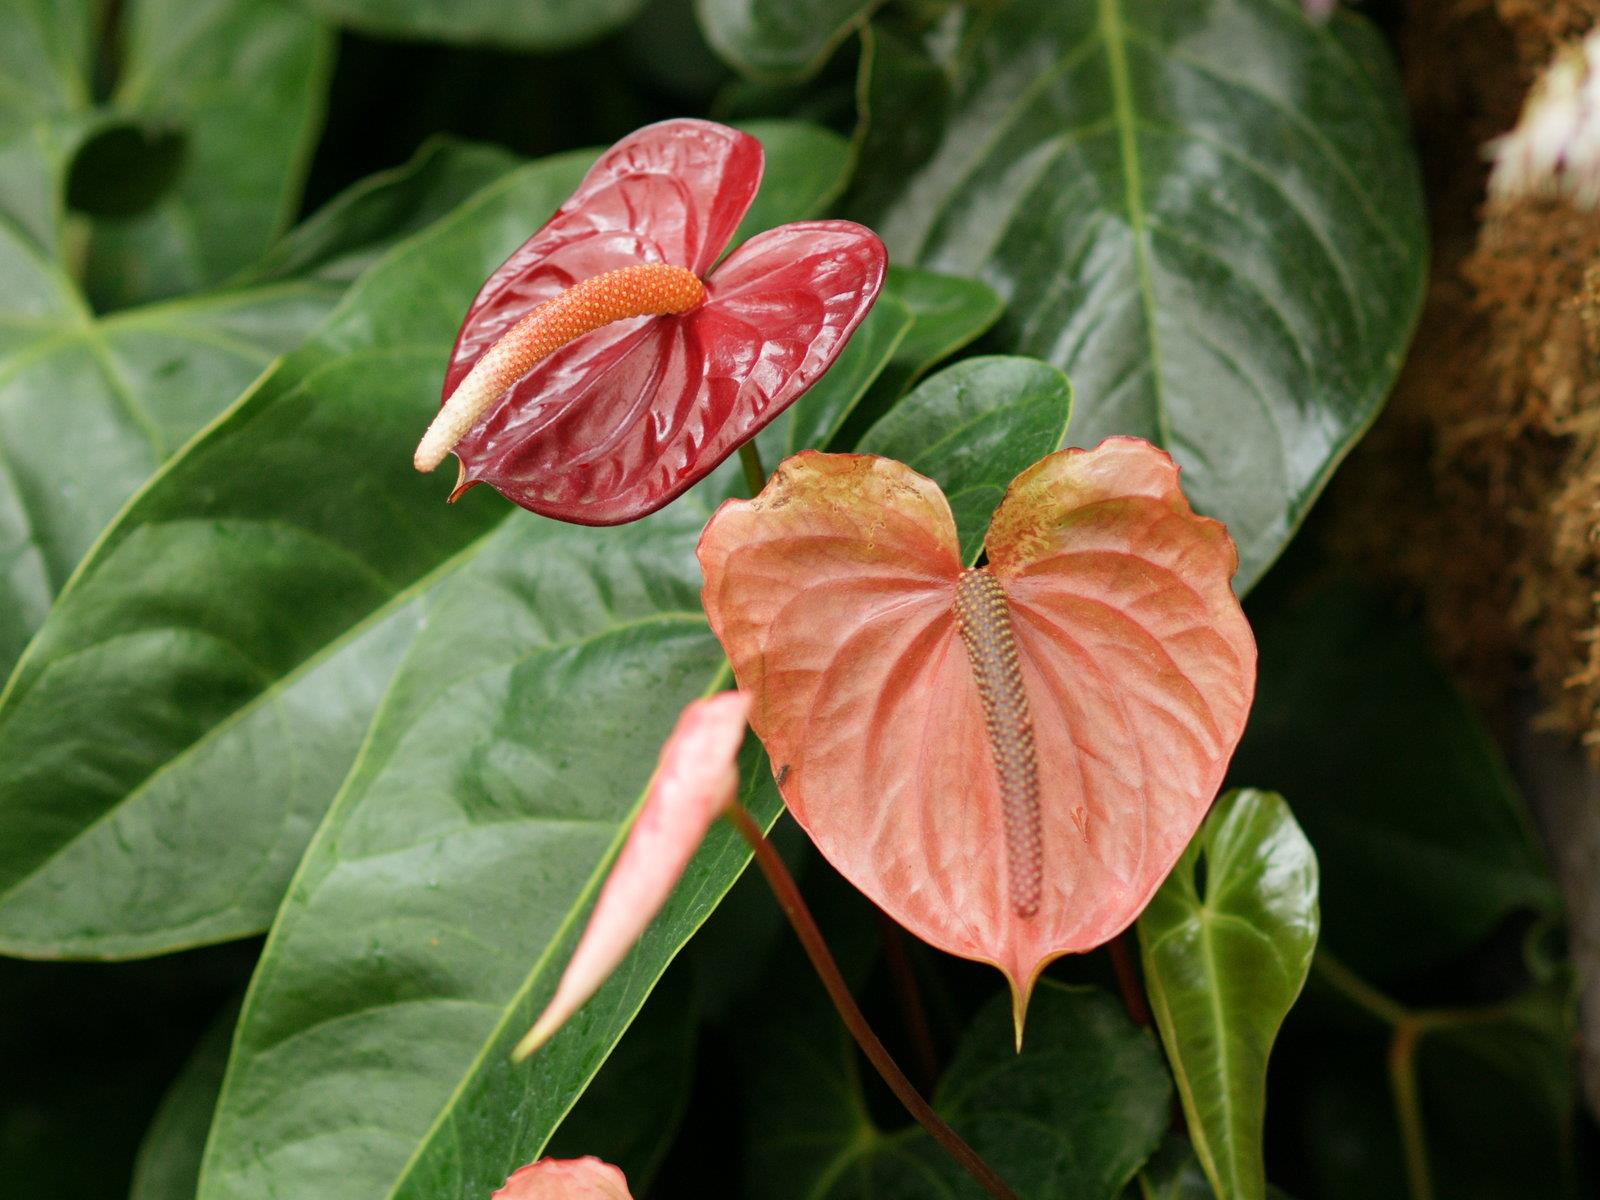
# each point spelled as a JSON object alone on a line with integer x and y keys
{"x": 1113, "y": 34}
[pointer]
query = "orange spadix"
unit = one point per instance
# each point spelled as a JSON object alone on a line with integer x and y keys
{"x": 645, "y": 290}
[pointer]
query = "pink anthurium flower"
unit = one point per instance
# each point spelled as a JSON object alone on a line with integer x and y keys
{"x": 696, "y": 780}
{"x": 602, "y": 371}
{"x": 1010, "y": 758}
{"x": 565, "y": 1179}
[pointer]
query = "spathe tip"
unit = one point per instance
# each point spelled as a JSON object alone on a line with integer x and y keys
{"x": 463, "y": 484}
{"x": 536, "y": 1037}
{"x": 1019, "y": 1008}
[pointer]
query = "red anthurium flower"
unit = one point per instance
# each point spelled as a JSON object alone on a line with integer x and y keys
{"x": 565, "y": 1179}
{"x": 1008, "y": 759}
{"x": 695, "y": 781}
{"x": 602, "y": 371}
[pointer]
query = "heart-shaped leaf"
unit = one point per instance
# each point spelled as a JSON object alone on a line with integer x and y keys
{"x": 272, "y": 575}
{"x": 1227, "y": 943}
{"x": 1075, "y": 1115}
{"x": 1207, "y": 214}
{"x": 1009, "y": 759}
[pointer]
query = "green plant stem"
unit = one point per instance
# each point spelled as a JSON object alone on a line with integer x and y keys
{"x": 1407, "y": 1028}
{"x": 1408, "y": 1109}
{"x": 1357, "y": 990}
{"x": 755, "y": 475}
{"x": 816, "y": 948}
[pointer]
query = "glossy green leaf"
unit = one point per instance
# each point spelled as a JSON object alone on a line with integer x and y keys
{"x": 238, "y": 88}
{"x": 1227, "y": 942}
{"x": 1207, "y": 214}
{"x": 90, "y": 406}
{"x": 975, "y": 427}
{"x": 1423, "y": 839}
{"x": 1074, "y": 1115}
{"x": 948, "y": 313}
{"x": 432, "y": 914}
{"x": 631, "y": 1112}
{"x": 168, "y": 1165}
{"x": 250, "y": 607}
{"x": 525, "y": 24}
{"x": 780, "y": 39}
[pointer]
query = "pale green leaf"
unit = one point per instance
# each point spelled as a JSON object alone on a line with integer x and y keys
{"x": 1227, "y": 942}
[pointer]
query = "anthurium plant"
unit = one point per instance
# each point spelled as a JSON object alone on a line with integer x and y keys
{"x": 844, "y": 750}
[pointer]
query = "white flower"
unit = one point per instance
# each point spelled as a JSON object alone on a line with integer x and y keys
{"x": 1555, "y": 148}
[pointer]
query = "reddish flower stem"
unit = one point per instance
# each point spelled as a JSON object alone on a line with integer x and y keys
{"x": 816, "y": 948}
{"x": 1128, "y": 981}
{"x": 912, "y": 1010}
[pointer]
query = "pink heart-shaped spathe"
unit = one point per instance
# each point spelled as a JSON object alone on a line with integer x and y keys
{"x": 835, "y": 594}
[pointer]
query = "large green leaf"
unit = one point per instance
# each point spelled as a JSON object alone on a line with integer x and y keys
{"x": 1227, "y": 943}
{"x": 1422, "y": 836}
{"x": 90, "y": 406}
{"x": 630, "y": 1114}
{"x": 1206, "y": 213}
{"x": 1074, "y": 1115}
{"x": 527, "y": 24}
{"x": 238, "y": 624}
{"x": 241, "y": 84}
{"x": 779, "y": 39}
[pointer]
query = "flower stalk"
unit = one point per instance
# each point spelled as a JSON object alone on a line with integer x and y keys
{"x": 816, "y": 948}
